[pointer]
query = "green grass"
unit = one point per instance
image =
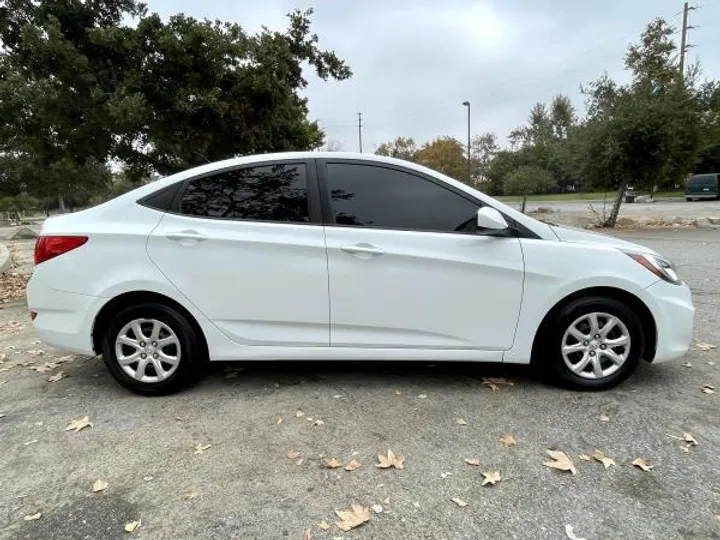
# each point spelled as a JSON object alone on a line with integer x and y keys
{"x": 590, "y": 196}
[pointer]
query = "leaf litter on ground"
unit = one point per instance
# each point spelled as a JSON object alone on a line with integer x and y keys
{"x": 356, "y": 516}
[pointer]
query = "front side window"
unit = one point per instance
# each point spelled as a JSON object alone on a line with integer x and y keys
{"x": 372, "y": 196}
{"x": 263, "y": 193}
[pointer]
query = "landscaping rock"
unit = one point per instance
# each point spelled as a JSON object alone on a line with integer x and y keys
{"x": 714, "y": 220}
{"x": 703, "y": 222}
{"x": 23, "y": 233}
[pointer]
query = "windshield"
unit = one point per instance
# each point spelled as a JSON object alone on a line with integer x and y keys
{"x": 703, "y": 180}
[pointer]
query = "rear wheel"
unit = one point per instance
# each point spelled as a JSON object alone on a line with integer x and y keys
{"x": 153, "y": 349}
{"x": 592, "y": 343}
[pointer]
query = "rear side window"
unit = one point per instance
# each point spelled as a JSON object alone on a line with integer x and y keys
{"x": 263, "y": 193}
{"x": 704, "y": 180}
{"x": 372, "y": 196}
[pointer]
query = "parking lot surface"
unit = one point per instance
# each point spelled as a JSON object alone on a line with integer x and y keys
{"x": 212, "y": 462}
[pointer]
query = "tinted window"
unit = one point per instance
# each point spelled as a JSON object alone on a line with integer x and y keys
{"x": 162, "y": 199}
{"x": 268, "y": 193}
{"x": 365, "y": 195}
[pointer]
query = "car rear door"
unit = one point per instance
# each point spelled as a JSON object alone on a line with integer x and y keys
{"x": 407, "y": 267}
{"x": 245, "y": 245}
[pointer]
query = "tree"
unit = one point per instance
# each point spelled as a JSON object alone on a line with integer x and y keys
{"x": 401, "y": 148}
{"x": 80, "y": 86}
{"x": 483, "y": 148}
{"x": 647, "y": 132}
{"x": 445, "y": 155}
{"x": 526, "y": 180}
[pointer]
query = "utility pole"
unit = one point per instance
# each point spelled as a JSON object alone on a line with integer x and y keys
{"x": 683, "y": 39}
{"x": 360, "y": 131}
{"x": 469, "y": 181}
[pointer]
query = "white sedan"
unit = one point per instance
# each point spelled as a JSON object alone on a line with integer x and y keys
{"x": 331, "y": 256}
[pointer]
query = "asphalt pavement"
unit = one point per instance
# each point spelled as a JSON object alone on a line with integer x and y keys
{"x": 436, "y": 415}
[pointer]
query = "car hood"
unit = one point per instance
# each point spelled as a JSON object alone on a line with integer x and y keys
{"x": 582, "y": 236}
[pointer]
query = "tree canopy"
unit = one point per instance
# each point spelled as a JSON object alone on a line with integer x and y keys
{"x": 86, "y": 83}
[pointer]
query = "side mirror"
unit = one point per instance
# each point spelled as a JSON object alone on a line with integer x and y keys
{"x": 489, "y": 218}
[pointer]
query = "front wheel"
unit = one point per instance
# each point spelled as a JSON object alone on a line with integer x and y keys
{"x": 592, "y": 343}
{"x": 152, "y": 349}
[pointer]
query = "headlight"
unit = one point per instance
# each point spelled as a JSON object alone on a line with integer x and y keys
{"x": 662, "y": 268}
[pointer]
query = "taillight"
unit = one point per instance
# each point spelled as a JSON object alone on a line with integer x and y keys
{"x": 48, "y": 247}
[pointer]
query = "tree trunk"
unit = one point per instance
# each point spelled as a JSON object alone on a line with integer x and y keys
{"x": 612, "y": 218}
{"x": 61, "y": 204}
{"x": 523, "y": 203}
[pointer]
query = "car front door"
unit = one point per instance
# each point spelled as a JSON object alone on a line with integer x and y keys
{"x": 246, "y": 247}
{"x": 407, "y": 266}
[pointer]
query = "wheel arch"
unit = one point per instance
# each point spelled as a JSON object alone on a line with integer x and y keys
{"x": 632, "y": 301}
{"x": 127, "y": 299}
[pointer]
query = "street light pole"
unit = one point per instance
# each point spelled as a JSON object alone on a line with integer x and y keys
{"x": 469, "y": 181}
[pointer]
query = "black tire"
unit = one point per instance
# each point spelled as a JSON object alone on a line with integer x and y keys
{"x": 549, "y": 346}
{"x": 192, "y": 358}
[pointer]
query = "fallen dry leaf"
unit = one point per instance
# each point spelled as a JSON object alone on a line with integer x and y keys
{"x": 604, "y": 418}
{"x": 80, "y": 423}
{"x": 299, "y": 414}
{"x": 377, "y": 508}
{"x": 200, "y": 448}
{"x": 57, "y": 377}
{"x": 687, "y": 364}
{"x": 643, "y": 464}
{"x": 494, "y": 383}
{"x": 307, "y": 535}
{"x": 37, "y": 352}
{"x": 571, "y": 533}
{"x": 99, "y": 485}
{"x": 708, "y": 389}
{"x": 10, "y": 326}
{"x": 353, "y": 518}
{"x": 461, "y": 421}
{"x": 47, "y": 366}
{"x": 132, "y": 526}
{"x": 560, "y": 461}
{"x": 32, "y": 517}
{"x": 318, "y": 422}
{"x": 472, "y": 461}
{"x": 391, "y": 460}
{"x": 491, "y": 477}
{"x": 585, "y": 457}
{"x": 332, "y": 463}
{"x": 279, "y": 420}
{"x": 352, "y": 465}
{"x": 337, "y": 396}
{"x": 299, "y": 461}
{"x": 597, "y": 455}
{"x": 508, "y": 440}
{"x": 148, "y": 478}
{"x": 294, "y": 454}
{"x": 190, "y": 495}
{"x": 459, "y": 502}
{"x": 702, "y": 346}
{"x": 398, "y": 393}
{"x": 688, "y": 438}
{"x": 324, "y": 525}
{"x": 422, "y": 396}
{"x": 416, "y": 504}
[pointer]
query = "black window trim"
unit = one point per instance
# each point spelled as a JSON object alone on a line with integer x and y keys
{"x": 314, "y": 204}
{"x": 514, "y": 229}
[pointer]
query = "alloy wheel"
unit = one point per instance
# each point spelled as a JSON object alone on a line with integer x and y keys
{"x": 148, "y": 350}
{"x": 596, "y": 345}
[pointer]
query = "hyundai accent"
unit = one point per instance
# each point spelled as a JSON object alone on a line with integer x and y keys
{"x": 335, "y": 256}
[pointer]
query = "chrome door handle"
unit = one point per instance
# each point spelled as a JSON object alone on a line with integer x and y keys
{"x": 363, "y": 249}
{"x": 185, "y": 235}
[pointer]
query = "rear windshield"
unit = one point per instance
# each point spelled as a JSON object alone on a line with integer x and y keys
{"x": 709, "y": 180}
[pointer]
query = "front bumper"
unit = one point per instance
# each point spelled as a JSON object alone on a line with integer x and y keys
{"x": 674, "y": 314}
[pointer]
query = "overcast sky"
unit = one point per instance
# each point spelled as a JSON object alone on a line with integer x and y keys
{"x": 415, "y": 61}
